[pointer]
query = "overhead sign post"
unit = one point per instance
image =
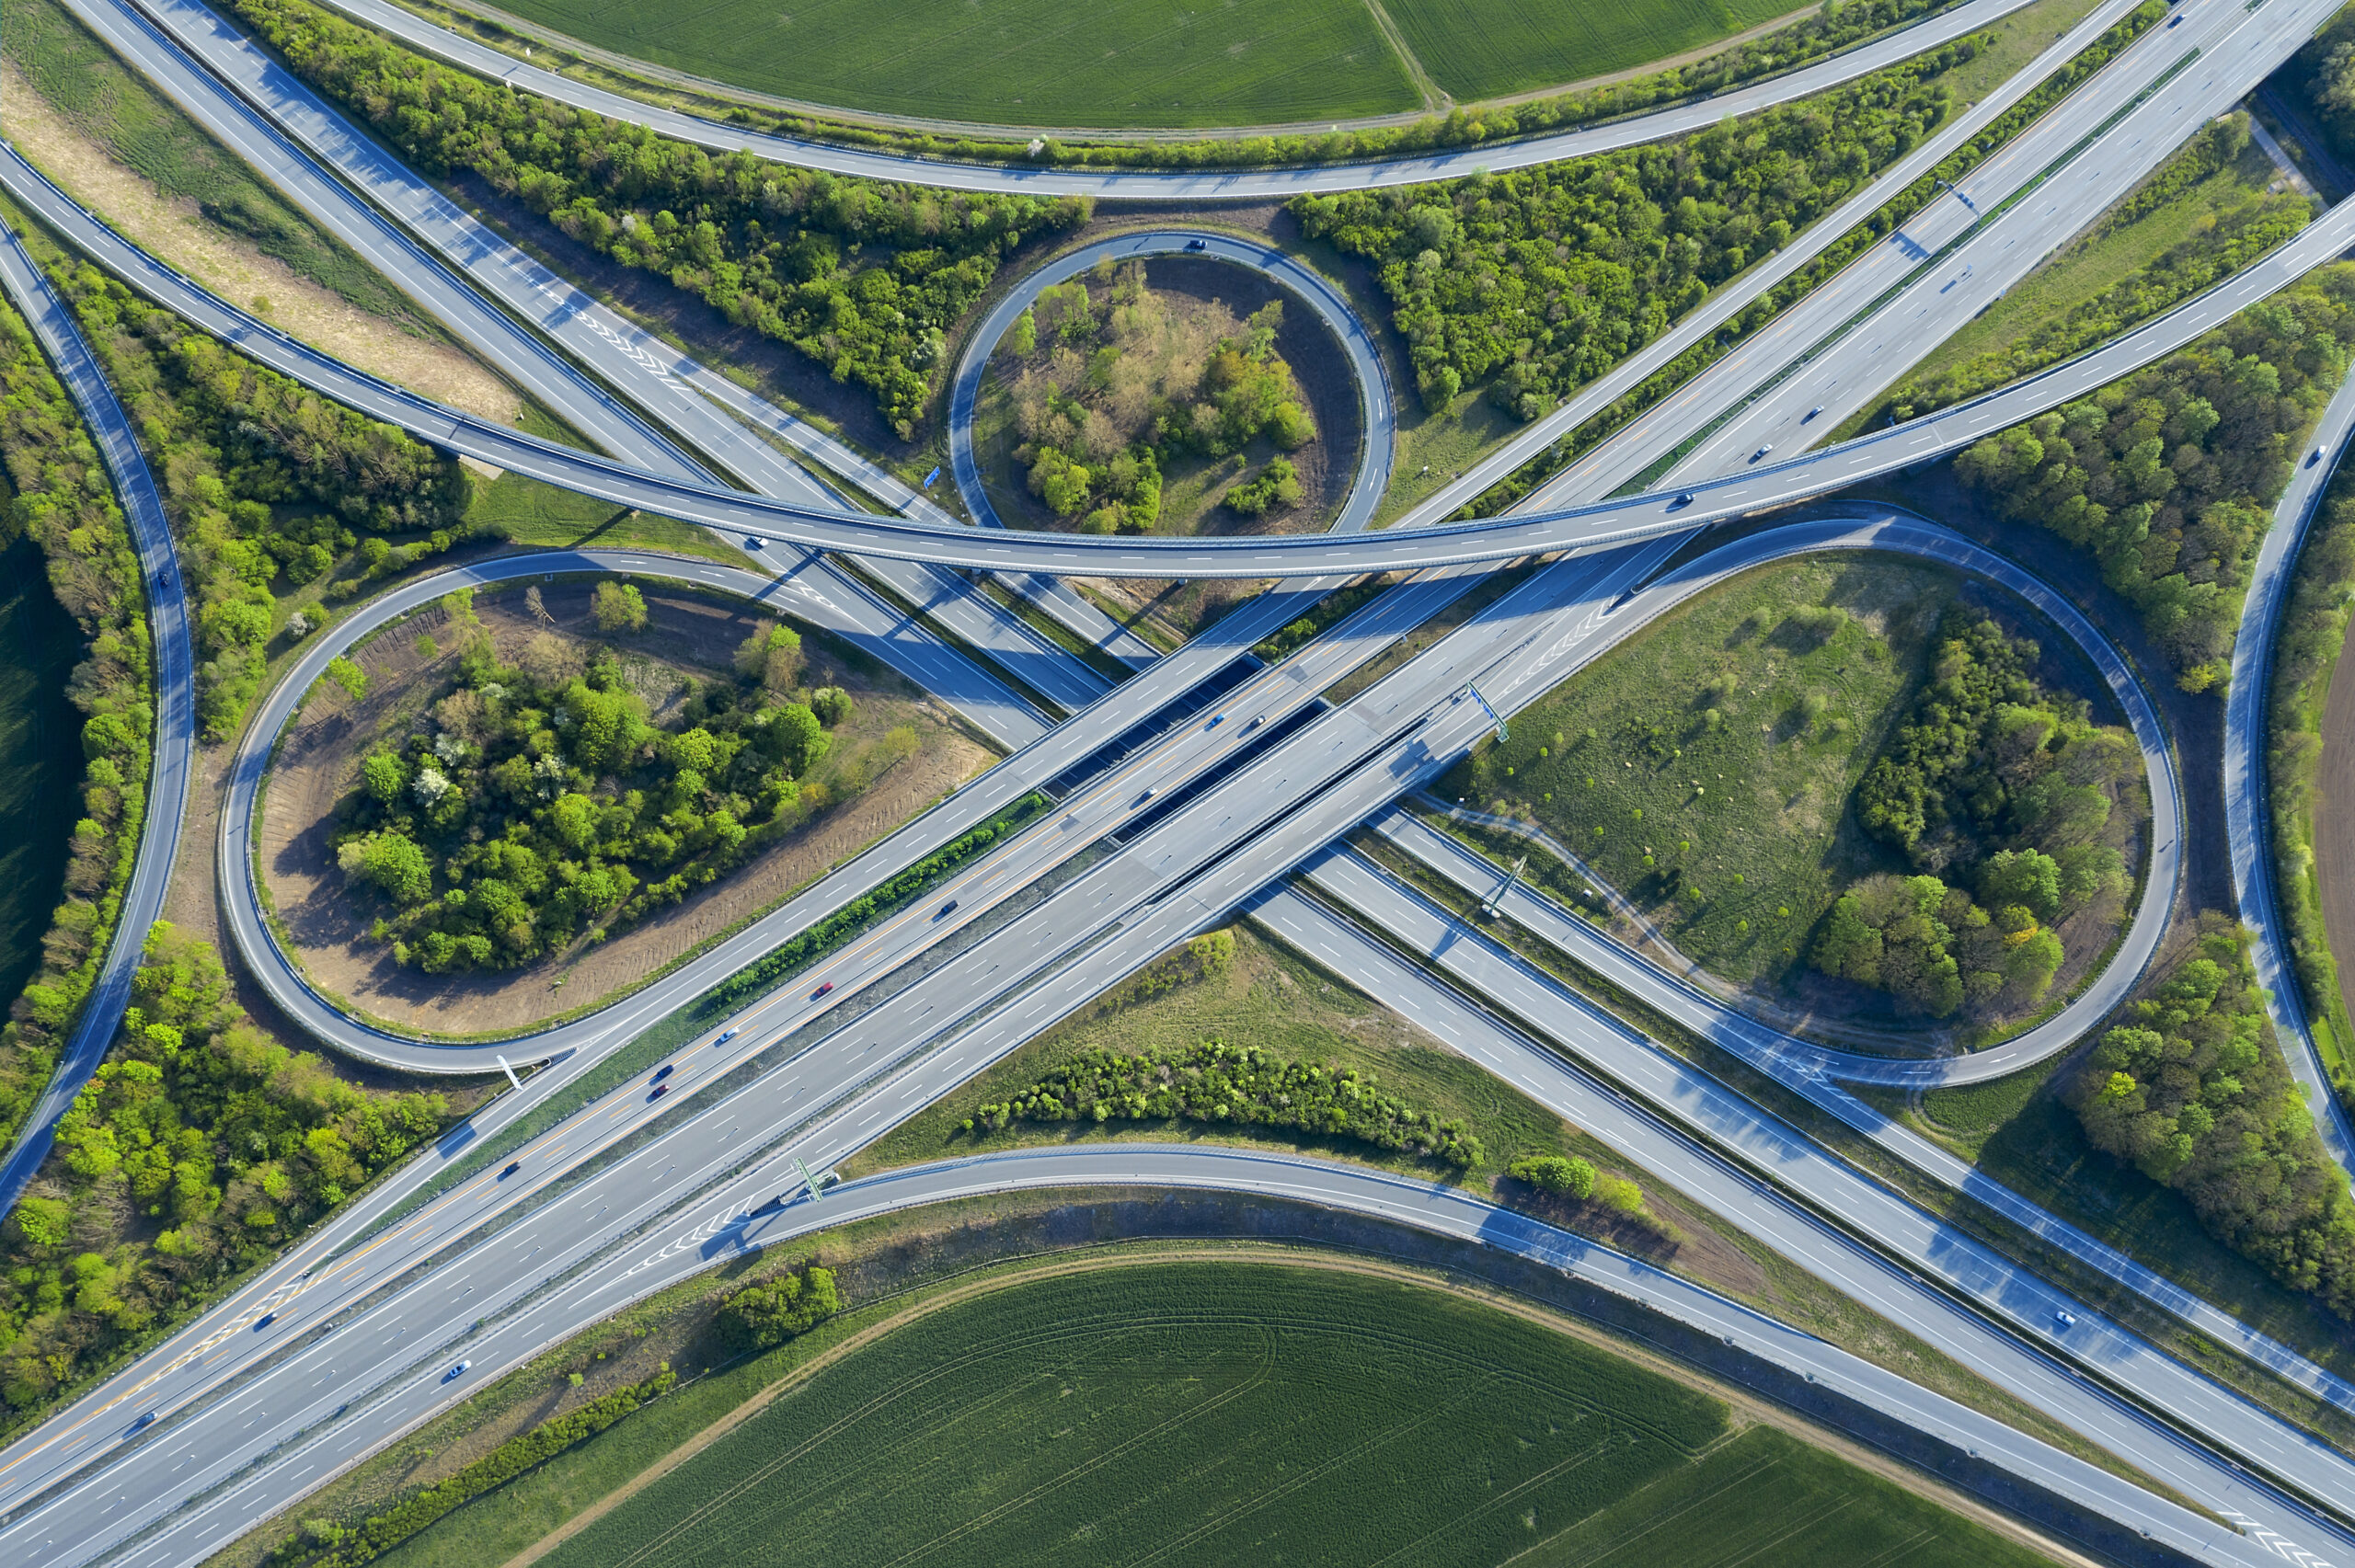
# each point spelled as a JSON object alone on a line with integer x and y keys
{"x": 1502, "y": 734}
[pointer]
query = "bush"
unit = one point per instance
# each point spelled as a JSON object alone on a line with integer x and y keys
{"x": 1555, "y": 1174}
{"x": 759, "y": 1317}
{"x": 617, "y": 607}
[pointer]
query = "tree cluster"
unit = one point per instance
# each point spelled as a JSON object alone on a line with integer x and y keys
{"x": 2169, "y": 476}
{"x": 321, "y": 1543}
{"x": 201, "y": 1131}
{"x": 2194, "y": 1092}
{"x": 541, "y": 805}
{"x": 1216, "y": 1082}
{"x": 1110, "y": 382}
{"x": 1543, "y": 278}
{"x": 2220, "y": 244}
{"x": 61, "y": 500}
{"x": 1989, "y": 786}
{"x": 271, "y": 486}
{"x": 760, "y": 1317}
{"x": 865, "y": 278}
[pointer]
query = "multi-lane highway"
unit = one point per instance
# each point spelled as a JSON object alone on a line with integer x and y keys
{"x": 174, "y": 721}
{"x": 1194, "y": 787}
{"x": 1288, "y": 555}
{"x": 486, "y": 290}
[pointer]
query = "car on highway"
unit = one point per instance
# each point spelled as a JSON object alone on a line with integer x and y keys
{"x": 264, "y": 1322}
{"x": 2064, "y": 1321}
{"x": 1197, "y": 245}
{"x": 1255, "y": 724}
{"x": 726, "y": 1035}
{"x": 1684, "y": 498}
{"x": 2176, "y": 21}
{"x": 659, "y": 1089}
{"x": 457, "y": 1371}
{"x": 663, "y": 1071}
{"x": 1216, "y": 719}
{"x": 2314, "y": 457}
{"x": 1811, "y": 414}
{"x": 821, "y": 990}
{"x": 143, "y": 1422}
{"x": 1761, "y": 451}
{"x": 512, "y": 1166}
{"x": 751, "y": 542}
{"x": 945, "y": 911}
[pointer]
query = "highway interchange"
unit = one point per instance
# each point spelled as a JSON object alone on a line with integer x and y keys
{"x": 1196, "y": 786}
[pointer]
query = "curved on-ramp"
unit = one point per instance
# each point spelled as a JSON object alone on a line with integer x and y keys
{"x": 1208, "y": 185}
{"x": 2248, "y": 811}
{"x": 1377, "y": 407}
{"x": 174, "y": 717}
{"x": 1293, "y": 556}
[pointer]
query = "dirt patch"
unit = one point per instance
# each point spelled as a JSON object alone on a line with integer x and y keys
{"x": 238, "y": 272}
{"x": 688, "y": 637}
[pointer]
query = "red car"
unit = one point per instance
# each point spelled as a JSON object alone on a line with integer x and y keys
{"x": 659, "y": 1089}
{"x": 821, "y": 990}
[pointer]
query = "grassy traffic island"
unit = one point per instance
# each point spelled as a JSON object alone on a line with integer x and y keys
{"x": 1861, "y": 789}
{"x": 517, "y": 803}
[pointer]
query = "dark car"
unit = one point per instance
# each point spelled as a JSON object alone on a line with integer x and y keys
{"x": 264, "y": 1322}
{"x": 821, "y": 990}
{"x": 660, "y": 1073}
{"x": 1213, "y": 724}
{"x": 1811, "y": 413}
{"x": 1205, "y": 245}
{"x": 1681, "y": 501}
{"x": 659, "y": 1089}
{"x": 143, "y": 1421}
{"x": 512, "y": 1166}
{"x": 751, "y": 542}
{"x": 946, "y": 909}
{"x": 2314, "y": 457}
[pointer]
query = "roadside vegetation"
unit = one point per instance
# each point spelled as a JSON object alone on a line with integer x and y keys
{"x": 1831, "y": 777}
{"x": 2169, "y": 476}
{"x": 1231, "y": 1037}
{"x": 864, "y": 278}
{"x": 1533, "y": 282}
{"x": 2309, "y": 639}
{"x": 60, "y": 503}
{"x": 2204, "y": 215}
{"x": 2192, "y": 1090}
{"x": 539, "y": 806}
{"x": 1113, "y": 383}
{"x": 199, "y": 1147}
{"x": 274, "y": 491}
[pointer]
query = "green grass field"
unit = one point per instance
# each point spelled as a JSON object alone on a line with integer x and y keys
{"x": 40, "y": 756}
{"x": 148, "y": 133}
{"x": 1623, "y": 762}
{"x": 1157, "y": 62}
{"x": 1479, "y": 49}
{"x": 1242, "y": 1412}
{"x": 1268, "y": 996}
